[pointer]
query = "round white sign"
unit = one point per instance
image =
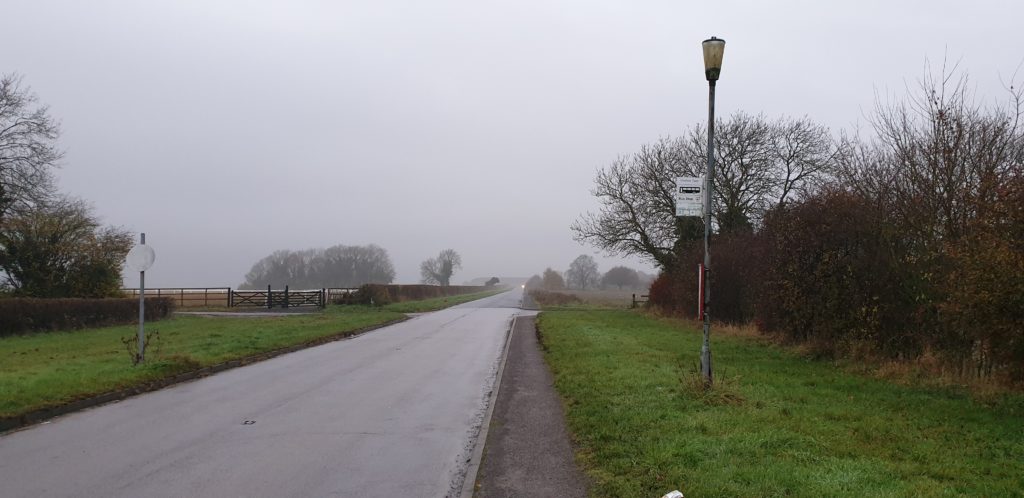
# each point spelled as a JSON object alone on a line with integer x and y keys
{"x": 140, "y": 258}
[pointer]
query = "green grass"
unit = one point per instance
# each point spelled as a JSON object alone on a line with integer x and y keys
{"x": 51, "y": 369}
{"x": 776, "y": 425}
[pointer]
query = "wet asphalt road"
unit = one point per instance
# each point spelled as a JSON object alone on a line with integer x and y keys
{"x": 392, "y": 413}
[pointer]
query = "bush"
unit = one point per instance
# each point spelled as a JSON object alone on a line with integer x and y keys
{"x": 662, "y": 293}
{"x": 24, "y": 315}
{"x": 735, "y": 273}
{"x": 838, "y": 275}
{"x": 376, "y": 295}
{"x": 983, "y": 310}
{"x": 985, "y": 307}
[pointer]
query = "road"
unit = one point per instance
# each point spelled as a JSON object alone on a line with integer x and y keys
{"x": 391, "y": 413}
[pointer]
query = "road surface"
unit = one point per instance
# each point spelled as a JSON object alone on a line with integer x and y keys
{"x": 391, "y": 413}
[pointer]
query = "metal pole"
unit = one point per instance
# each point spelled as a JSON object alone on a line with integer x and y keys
{"x": 142, "y": 307}
{"x": 709, "y": 187}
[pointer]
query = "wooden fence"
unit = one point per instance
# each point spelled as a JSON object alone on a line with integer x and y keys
{"x": 226, "y": 297}
{"x": 638, "y": 300}
{"x": 188, "y": 297}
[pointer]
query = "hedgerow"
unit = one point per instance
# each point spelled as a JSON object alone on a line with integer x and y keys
{"x": 27, "y": 315}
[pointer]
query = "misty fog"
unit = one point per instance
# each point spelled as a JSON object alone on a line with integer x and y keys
{"x": 227, "y": 130}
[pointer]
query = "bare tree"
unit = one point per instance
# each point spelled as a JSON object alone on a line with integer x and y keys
{"x": 945, "y": 154}
{"x": 28, "y": 148}
{"x": 439, "y": 270}
{"x": 743, "y": 175}
{"x": 761, "y": 164}
{"x": 637, "y": 196}
{"x": 582, "y": 273}
{"x": 803, "y": 157}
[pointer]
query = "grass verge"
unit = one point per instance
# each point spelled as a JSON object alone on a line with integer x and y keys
{"x": 776, "y": 424}
{"x": 48, "y": 370}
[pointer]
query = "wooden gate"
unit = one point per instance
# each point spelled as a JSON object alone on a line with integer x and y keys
{"x": 271, "y": 298}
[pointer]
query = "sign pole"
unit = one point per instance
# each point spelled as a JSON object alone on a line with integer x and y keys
{"x": 142, "y": 306}
{"x": 140, "y": 258}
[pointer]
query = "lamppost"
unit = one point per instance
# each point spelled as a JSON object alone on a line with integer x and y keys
{"x": 713, "y": 49}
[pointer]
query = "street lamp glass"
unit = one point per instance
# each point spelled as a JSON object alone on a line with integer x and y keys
{"x": 713, "y": 49}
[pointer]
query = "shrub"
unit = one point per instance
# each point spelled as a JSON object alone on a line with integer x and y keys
{"x": 665, "y": 294}
{"x": 983, "y": 309}
{"x": 837, "y": 275}
{"x": 734, "y": 277}
{"x": 24, "y": 315}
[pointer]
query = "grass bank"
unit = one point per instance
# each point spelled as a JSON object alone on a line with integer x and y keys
{"x": 777, "y": 425}
{"x": 48, "y": 370}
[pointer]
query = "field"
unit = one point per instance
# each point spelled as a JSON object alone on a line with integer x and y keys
{"x": 47, "y": 370}
{"x": 605, "y": 298}
{"x": 776, "y": 424}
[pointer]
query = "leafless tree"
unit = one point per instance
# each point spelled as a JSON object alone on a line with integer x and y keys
{"x": 582, "y": 273}
{"x": 743, "y": 175}
{"x": 763, "y": 164}
{"x": 803, "y": 158}
{"x": 637, "y": 214}
{"x": 439, "y": 270}
{"x": 760, "y": 165}
{"x": 938, "y": 155}
{"x": 28, "y": 148}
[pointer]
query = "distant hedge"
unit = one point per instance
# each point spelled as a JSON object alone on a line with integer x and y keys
{"x": 384, "y": 294}
{"x": 26, "y": 315}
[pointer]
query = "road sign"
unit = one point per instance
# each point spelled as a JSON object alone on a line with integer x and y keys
{"x": 140, "y": 258}
{"x": 690, "y": 196}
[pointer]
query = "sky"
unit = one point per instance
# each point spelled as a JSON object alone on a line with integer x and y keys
{"x": 226, "y": 130}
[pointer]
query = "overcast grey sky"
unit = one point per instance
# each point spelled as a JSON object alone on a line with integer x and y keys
{"x": 228, "y": 129}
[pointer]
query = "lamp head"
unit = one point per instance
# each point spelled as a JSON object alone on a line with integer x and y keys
{"x": 713, "y": 49}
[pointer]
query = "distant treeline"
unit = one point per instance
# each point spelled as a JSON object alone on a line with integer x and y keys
{"x": 336, "y": 266}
